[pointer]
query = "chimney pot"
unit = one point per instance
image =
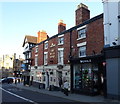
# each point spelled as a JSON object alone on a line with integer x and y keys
{"x": 61, "y": 26}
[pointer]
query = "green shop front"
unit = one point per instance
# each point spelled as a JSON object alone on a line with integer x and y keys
{"x": 88, "y": 75}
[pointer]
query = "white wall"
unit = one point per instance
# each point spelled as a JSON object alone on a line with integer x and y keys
{"x": 111, "y": 22}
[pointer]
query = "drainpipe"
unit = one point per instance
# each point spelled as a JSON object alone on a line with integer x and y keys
{"x": 71, "y": 66}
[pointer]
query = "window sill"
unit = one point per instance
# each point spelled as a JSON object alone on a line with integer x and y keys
{"x": 60, "y": 44}
{"x": 81, "y": 38}
{"x": 82, "y": 56}
{"x": 45, "y": 64}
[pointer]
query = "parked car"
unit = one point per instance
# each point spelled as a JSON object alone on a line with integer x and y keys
{"x": 2, "y": 80}
{"x": 8, "y": 80}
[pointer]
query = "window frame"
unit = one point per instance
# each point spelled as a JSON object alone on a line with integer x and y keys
{"x": 36, "y": 49}
{"x": 80, "y": 29}
{"x": 61, "y": 56}
{"x": 82, "y": 51}
{"x": 45, "y": 58}
{"x": 46, "y": 46}
{"x": 60, "y": 40}
{"x": 36, "y": 60}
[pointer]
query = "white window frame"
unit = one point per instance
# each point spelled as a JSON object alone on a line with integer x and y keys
{"x": 36, "y": 49}
{"x": 79, "y": 29}
{"x": 61, "y": 42}
{"x": 46, "y": 45}
{"x": 36, "y": 60}
{"x": 81, "y": 44}
{"x": 60, "y": 56}
{"x": 45, "y": 58}
{"x": 82, "y": 50}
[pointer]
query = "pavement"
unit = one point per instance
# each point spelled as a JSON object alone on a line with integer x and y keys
{"x": 72, "y": 96}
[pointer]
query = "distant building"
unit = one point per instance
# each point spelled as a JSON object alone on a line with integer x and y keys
{"x": 6, "y": 65}
{"x": 17, "y": 66}
{"x": 6, "y": 61}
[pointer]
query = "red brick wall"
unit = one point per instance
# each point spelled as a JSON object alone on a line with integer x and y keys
{"x": 52, "y": 51}
{"x": 33, "y": 57}
{"x": 95, "y": 37}
{"x": 66, "y": 47}
{"x": 82, "y": 14}
{"x": 40, "y": 54}
{"x": 61, "y": 27}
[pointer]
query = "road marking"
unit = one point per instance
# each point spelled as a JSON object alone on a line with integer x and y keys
{"x": 19, "y": 96}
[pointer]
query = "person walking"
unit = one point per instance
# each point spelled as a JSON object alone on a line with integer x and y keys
{"x": 60, "y": 82}
{"x": 66, "y": 86}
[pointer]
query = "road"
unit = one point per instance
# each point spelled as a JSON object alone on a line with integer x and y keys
{"x": 13, "y": 95}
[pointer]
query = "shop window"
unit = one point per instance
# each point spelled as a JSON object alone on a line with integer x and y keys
{"x": 77, "y": 77}
{"x": 83, "y": 77}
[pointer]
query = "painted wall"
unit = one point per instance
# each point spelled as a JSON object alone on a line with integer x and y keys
{"x": 111, "y": 23}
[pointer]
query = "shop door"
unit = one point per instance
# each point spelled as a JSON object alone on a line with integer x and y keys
{"x": 98, "y": 80}
{"x": 60, "y": 78}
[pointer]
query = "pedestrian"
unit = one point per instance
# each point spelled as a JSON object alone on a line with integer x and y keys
{"x": 16, "y": 81}
{"x": 60, "y": 82}
{"x": 66, "y": 86}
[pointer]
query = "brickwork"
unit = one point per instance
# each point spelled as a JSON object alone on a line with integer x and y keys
{"x": 52, "y": 51}
{"x": 61, "y": 26}
{"x": 82, "y": 14}
{"x": 66, "y": 47}
{"x": 95, "y": 37}
{"x": 33, "y": 57}
{"x": 40, "y": 54}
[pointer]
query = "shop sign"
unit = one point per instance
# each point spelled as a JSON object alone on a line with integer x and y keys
{"x": 85, "y": 61}
{"x": 52, "y": 53}
{"x": 52, "y": 45}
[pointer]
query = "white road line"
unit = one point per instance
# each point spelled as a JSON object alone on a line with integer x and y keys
{"x": 19, "y": 96}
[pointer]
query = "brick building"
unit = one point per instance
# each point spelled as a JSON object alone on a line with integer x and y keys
{"x": 73, "y": 55}
{"x": 29, "y": 42}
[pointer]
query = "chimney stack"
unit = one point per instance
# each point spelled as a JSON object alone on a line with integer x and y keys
{"x": 82, "y": 13}
{"x": 14, "y": 55}
{"x": 42, "y": 35}
{"x": 61, "y": 26}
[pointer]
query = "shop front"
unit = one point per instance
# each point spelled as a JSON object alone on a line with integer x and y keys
{"x": 87, "y": 75}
